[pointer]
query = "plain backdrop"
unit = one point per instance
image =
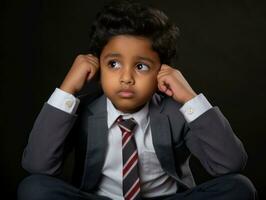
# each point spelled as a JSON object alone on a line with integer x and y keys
{"x": 222, "y": 55}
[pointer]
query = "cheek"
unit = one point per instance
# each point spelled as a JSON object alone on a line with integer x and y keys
{"x": 153, "y": 79}
{"x": 149, "y": 85}
{"x": 104, "y": 76}
{"x": 107, "y": 81}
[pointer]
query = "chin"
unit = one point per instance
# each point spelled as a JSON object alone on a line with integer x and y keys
{"x": 128, "y": 105}
{"x": 129, "y": 108}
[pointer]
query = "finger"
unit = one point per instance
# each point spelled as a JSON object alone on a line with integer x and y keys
{"x": 164, "y": 66}
{"x": 91, "y": 55}
{"x": 162, "y": 87}
{"x": 92, "y": 59}
{"x": 96, "y": 64}
{"x": 91, "y": 74}
{"x": 165, "y": 89}
{"x": 169, "y": 92}
{"x": 93, "y": 64}
{"x": 93, "y": 68}
{"x": 163, "y": 73}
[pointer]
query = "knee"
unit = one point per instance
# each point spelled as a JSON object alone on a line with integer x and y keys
{"x": 243, "y": 187}
{"x": 32, "y": 188}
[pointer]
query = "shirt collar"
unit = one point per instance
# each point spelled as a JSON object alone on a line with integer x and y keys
{"x": 141, "y": 116}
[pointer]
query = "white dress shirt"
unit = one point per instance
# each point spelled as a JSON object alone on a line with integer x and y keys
{"x": 154, "y": 181}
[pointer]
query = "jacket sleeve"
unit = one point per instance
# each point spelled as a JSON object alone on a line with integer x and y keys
{"x": 46, "y": 145}
{"x": 211, "y": 139}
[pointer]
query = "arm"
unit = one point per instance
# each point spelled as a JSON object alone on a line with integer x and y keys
{"x": 44, "y": 151}
{"x": 48, "y": 140}
{"x": 208, "y": 136}
{"x": 211, "y": 139}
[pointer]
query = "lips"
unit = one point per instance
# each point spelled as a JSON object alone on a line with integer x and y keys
{"x": 126, "y": 93}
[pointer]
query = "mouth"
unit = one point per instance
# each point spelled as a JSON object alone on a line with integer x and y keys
{"x": 126, "y": 93}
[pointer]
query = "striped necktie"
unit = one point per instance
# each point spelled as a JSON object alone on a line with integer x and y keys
{"x": 131, "y": 181}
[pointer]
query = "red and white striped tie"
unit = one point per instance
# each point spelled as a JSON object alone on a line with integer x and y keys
{"x": 131, "y": 181}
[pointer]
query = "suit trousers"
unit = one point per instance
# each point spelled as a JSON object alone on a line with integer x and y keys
{"x": 227, "y": 187}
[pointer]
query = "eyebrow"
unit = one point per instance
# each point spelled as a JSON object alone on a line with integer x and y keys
{"x": 112, "y": 55}
{"x": 145, "y": 58}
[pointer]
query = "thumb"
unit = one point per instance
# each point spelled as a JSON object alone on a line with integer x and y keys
{"x": 165, "y": 88}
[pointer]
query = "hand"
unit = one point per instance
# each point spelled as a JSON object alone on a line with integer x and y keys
{"x": 172, "y": 83}
{"x": 82, "y": 70}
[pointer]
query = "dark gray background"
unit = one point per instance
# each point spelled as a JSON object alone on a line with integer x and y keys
{"x": 222, "y": 54}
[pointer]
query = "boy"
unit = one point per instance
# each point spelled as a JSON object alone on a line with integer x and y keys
{"x": 135, "y": 140}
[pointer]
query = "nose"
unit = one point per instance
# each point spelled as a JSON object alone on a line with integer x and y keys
{"x": 127, "y": 76}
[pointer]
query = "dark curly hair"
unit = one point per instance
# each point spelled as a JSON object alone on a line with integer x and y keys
{"x": 129, "y": 17}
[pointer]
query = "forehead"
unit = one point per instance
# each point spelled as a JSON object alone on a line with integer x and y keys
{"x": 128, "y": 46}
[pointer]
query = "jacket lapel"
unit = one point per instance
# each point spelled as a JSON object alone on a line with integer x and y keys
{"x": 96, "y": 143}
{"x": 162, "y": 138}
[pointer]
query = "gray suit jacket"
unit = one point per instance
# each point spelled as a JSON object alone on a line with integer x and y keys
{"x": 209, "y": 138}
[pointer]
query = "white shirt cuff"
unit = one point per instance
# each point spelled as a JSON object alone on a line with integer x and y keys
{"x": 64, "y": 101}
{"x": 195, "y": 107}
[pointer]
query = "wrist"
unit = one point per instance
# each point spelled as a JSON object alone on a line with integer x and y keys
{"x": 188, "y": 97}
{"x": 67, "y": 89}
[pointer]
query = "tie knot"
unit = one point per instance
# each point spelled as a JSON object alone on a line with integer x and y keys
{"x": 126, "y": 124}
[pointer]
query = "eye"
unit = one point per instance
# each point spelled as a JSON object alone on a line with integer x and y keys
{"x": 114, "y": 64}
{"x": 142, "y": 67}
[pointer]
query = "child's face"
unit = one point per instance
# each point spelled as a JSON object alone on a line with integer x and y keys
{"x": 129, "y": 69}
